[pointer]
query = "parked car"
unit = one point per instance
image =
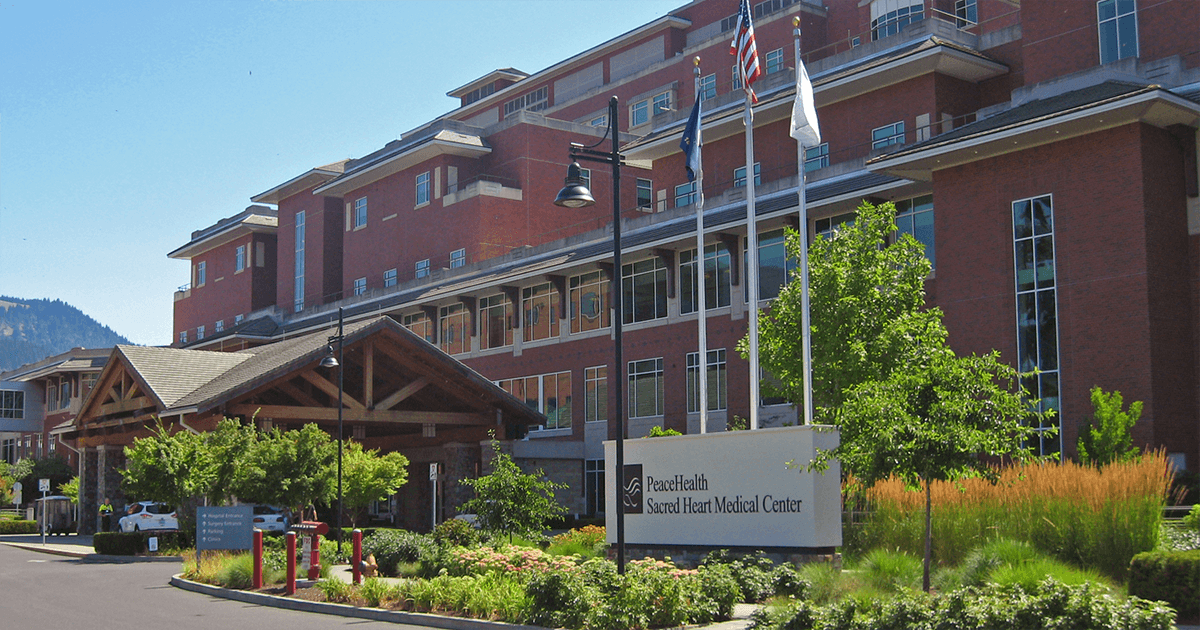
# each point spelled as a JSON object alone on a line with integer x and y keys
{"x": 270, "y": 518}
{"x": 148, "y": 515}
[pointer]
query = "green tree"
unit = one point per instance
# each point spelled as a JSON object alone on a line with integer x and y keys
{"x": 883, "y": 373}
{"x": 229, "y": 450}
{"x": 509, "y": 501}
{"x": 1108, "y": 437}
{"x": 291, "y": 469}
{"x": 368, "y": 476}
{"x": 70, "y": 489}
{"x": 867, "y": 298}
{"x": 167, "y": 467}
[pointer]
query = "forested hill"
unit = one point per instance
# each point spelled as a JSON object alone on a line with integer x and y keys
{"x": 31, "y": 330}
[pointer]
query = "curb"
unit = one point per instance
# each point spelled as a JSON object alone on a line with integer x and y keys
{"x": 91, "y": 556}
{"x": 344, "y": 610}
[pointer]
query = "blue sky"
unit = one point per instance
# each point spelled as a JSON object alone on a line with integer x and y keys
{"x": 126, "y": 125}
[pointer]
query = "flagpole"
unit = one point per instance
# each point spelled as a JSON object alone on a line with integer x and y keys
{"x": 701, "y": 308}
{"x": 752, "y": 262}
{"x": 802, "y": 197}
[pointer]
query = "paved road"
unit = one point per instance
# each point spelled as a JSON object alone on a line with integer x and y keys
{"x": 44, "y": 591}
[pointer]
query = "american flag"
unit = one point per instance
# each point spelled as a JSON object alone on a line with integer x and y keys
{"x": 747, "y": 54}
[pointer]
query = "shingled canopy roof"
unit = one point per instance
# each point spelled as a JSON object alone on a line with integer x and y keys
{"x": 394, "y": 383}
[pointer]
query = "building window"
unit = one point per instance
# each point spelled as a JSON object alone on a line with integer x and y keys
{"x": 737, "y": 78}
{"x": 588, "y": 295}
{"x": 239, "y": 262}
{"x": 599, "y": 121}
{"x": 420, "y": 325}
{"x": 685, "y": 194}
{"x": 422, "y": 268}
{"x": 593, "y": 484}
{"x": 966, "y": 13}
{"x": 360, "y": 286}
{"x": 495, "y": 322}
{"x": 646, "y": 388}
{"x": 64, "y": 394}
{"x": 389, "y": 278}
{"x": 360, "y": 212}
{"x": 199, "y": 333}
{"x": 453, "y": 322}
{"x": 774, "y": 265}
{"x": 641, "y": 111}
{"x": 595, "y": 394}
{"x": 12, "y": 404}
{"x": 739, "y": 176}
{"x": 585, "y": 177}
{"x": 237, "y": 319}
{"x": 708, "y": 87}
{"x": 540, "y": 308}
{"x": 478, "y": 93}
{"x": 1118, "y": 29}
{"x": 816, "y": 157}
{"x": 458, "y": 258}
{"x": 645, "y": 194}
{"x": 423, "y": 188}
{"x": 915, "y": 216}
{"x": 9, "y": 452}
{"x": 829, "y": 227}
{"x": 717, "y": 278}
{"x": 183, "y": 336}
{"x": 887, "y": 135}
{"x": 548, "y": 394}
{"x": 644, "y": 290}
{"x": 219, "y": 326}
{"x": 298, "y": 297}
{"x": 201, "y": 273}
{"x": 889, "y": 17}
{"x": 715, "y": 373}
{"x": 774, "y": 61}
{"x": 534, "y": 101}
{"x": 88, "y": 381}
{"x": 1037, "y": 313}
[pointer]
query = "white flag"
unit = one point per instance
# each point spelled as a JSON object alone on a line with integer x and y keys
{"x": 804, "y": 112}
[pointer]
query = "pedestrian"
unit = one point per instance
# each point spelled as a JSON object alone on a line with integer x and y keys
{"x": 106, "y": 510}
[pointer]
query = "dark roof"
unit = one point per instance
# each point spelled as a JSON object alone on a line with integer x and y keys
{"x": 1029, "y": 112}
{"x": 1191, "y": 92}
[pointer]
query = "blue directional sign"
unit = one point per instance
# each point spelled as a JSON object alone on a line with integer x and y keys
{"x": 224, "y": 527}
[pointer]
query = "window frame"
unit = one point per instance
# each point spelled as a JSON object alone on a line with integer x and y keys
{"x": 390, "y": 278}
{"x": 716, "y": 371}
{"x": 685, "y": 194}
{"x": 818, "y": 155}
{"x": 708, "y": 87}
{"x": 422, "y": 189}
{"x": 774, "y": 61}
{"x": 895, "y": 136}
{"x": 360, "y": 285}
{"x": 536, "y": 300}
{"x": 633, "y": 283}
{"x": 360, "y": 213}
{"x": 1116, "y": 20}
{"x": 458, "y": 258}
{"x": 718, "y": 289}
{"x": 641, "y": 374}
{"x": 421, "y": 268}
{"x": 492, "y": 309}
{"x": 739, "y": 175}
{"x": 452, "y": 318}
{"x": 201, "y": 273}
{"x": 646, "y": 186}
{"x": 239, "y": 259}
{"x": 594, "y": 287}
{"x": 199, "y": 332}
{"x": 595, "y": 394}
{"x": 561, "y": 416}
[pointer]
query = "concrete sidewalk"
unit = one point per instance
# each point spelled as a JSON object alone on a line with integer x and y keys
{"x": 74, "y": 546}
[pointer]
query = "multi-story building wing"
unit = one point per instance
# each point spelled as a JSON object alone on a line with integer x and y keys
{"x": 39, "y": 401}
{"x": 1045, "y": 153}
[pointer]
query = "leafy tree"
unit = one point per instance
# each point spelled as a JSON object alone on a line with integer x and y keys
{"x": 1108, "y": 437}
{"x": 512, "y": 502}
{"x": 883, "y": 373}
{"x": 367, "y": 476}
{"x": 229, "y": 447}
{"x": 167, "y": 467}
{"x": 53, "y": 467}
{"x": 867, "y": 300}
{"x": 291, "y": 469}
{"x": 70, "y": 489}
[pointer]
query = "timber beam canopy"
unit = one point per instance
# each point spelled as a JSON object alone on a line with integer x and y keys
{"x": 395, "y": 384}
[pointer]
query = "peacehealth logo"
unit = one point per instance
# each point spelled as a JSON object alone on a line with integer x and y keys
{"x": 638, "y": 497}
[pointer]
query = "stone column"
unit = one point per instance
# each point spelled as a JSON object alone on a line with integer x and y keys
{"x": 89, "y": 492}
{"x": 460, "y": 461}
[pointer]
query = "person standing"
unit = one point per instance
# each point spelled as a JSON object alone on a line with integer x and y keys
{"x": 106, "y": 510}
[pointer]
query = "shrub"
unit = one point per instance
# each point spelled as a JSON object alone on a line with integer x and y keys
{"x": 375, "y": 591}
{"x": 393, "y": 546}
{"x": 119, "y": 543}
{"x": 721, "y": 588}
{"x": 560, "y": 599}
{"x": 891, "y": 571}
{"x": 237, "y": 571}
{"x": 519, "y": 561}
{"x": 1192, "y": 520}
{"x": 18, "y": 527}
{"x": 1173, "y": 577}
{"x": 496, "y": 597}
{"x": 1029, "y": 574}
{"x": 1051, "y": 605}
{"x": 336, "y": 591}
{"x": 786, "y": 582}
{"x": 455, "y": 533}
{"x": 753, "y": 573}
{"x": 587, "y": 541}
{"x": 980, "y": 563}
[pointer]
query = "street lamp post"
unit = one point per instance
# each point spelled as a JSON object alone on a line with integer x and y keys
{"x": 329, "y": 362}
{"x": 575, "y": 195}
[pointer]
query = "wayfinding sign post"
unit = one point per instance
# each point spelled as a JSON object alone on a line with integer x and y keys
{"x": 228, "y": 527}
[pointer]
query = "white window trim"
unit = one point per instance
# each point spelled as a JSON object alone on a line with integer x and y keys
{"x": 427, "y": 185}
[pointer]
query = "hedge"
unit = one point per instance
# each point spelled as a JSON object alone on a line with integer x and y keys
{"x": 1170, "y": 576}
{"x": 134, "y": 543}
{"x": 18, "y": 527}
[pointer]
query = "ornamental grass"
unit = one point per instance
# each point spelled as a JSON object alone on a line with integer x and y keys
{"x": 1090, "y": 517}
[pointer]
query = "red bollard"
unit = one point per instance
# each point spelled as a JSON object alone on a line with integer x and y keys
{"x": 257, "y": 579}
{"x": 356, "y": 559}
{"x": 314, "y": 568}
{"x": 290, "y": 537}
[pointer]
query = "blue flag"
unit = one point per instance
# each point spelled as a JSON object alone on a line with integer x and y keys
{"x": 691, "y": 143}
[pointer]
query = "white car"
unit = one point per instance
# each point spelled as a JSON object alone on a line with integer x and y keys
{"x": 148, "y": 515}
{"x": 270, "y": 519}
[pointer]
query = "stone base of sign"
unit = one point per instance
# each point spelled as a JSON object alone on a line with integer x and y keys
{"x": 689, "y": 557}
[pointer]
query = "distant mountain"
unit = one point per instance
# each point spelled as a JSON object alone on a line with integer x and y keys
{"x": 31, "y": 330}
